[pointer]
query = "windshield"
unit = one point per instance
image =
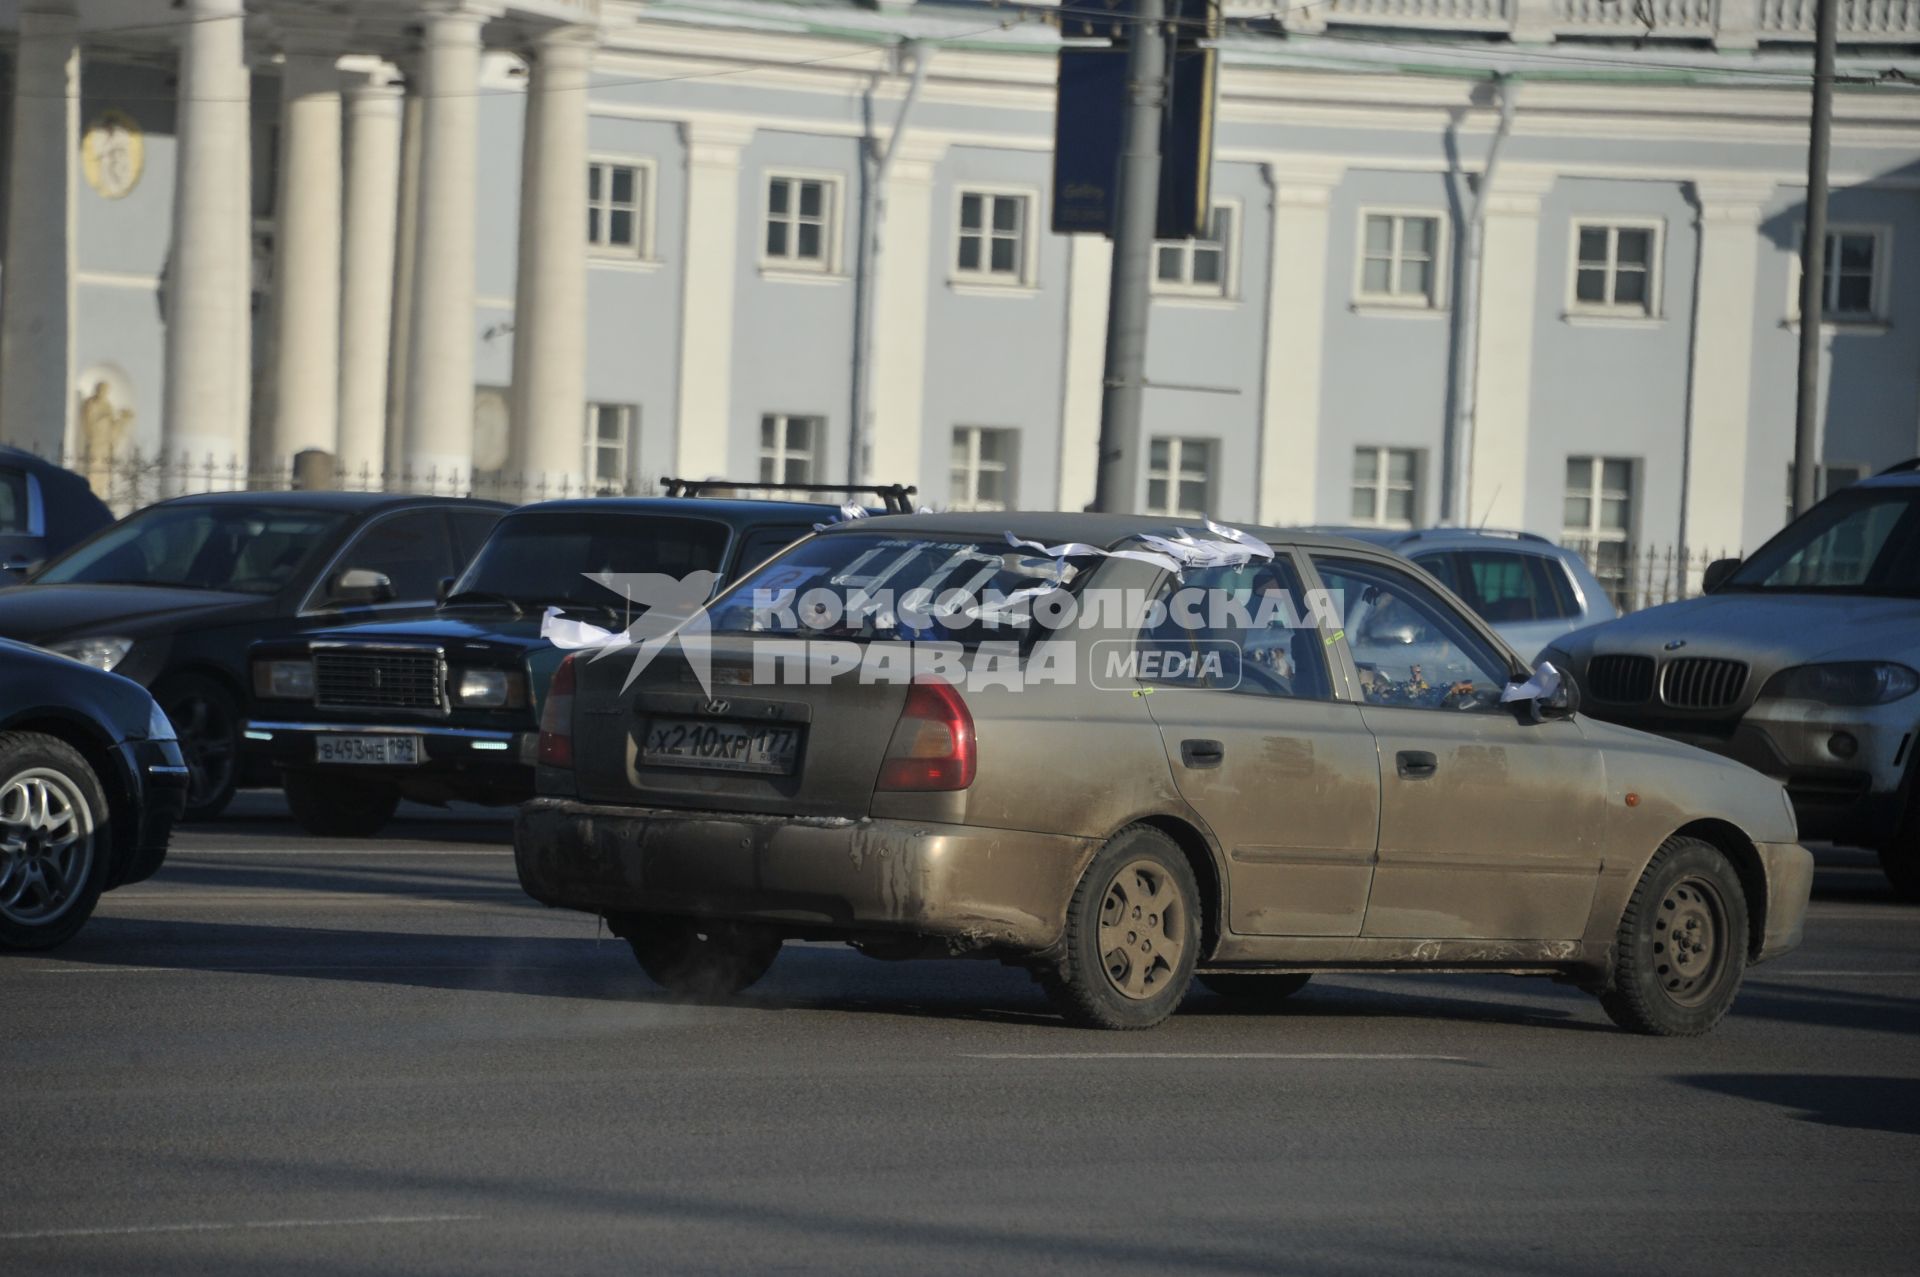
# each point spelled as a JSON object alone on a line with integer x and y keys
{"x": 1861, "y": 541}
{"x": 199, "y": 547}
{"x": 950, "y": 589}
{"x": 541, "y": 560}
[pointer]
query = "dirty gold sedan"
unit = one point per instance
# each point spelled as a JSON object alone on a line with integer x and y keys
{"x": 1121, "y": 754}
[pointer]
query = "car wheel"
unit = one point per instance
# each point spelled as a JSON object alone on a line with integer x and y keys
{"x": 698, "y": 957}
{"x": 206, "y": 717}
{"x": 1133, "y": 935}
{"x": 337, "y": 808}
{"x": 1682, "y": 946}
{"x": 1251, "y": 988}
{"x": 54, "y": 853}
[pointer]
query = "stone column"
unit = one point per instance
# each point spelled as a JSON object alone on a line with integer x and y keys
{"x": 546, "y": 448}
{"x": 440, "y": 342}
{"x": 1503, "y": 365}
{"x": 1718, "y": 398}
{"x": 211, "y": 265}
{"x": 366, "y": 278}
{"x": 706, "y": 302}
{"x": 36, "y": 306}
{"x": 1296, "y": 327}
{"x": 896, "y": 429}
{"x": 401, "y": 298}
{"x": 306, "y": 272}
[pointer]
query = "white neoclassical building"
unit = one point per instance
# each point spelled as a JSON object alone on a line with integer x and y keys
{"x": 548, "y": 245}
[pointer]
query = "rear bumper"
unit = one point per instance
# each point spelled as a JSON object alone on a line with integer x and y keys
{"x": 1789, "y": 868}
{"x": 482, "y": 765}
{"x": 833, "y": 876}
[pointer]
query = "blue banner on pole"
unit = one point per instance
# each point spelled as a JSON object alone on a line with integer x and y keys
{"x": 1088, "y": 135}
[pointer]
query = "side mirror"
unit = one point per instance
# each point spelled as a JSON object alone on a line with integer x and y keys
{"x": 360, "y": 587}
{"x": 1546, "y": 694}
{"x": 446, "y": 588}
{"x": 1717, "y": 573}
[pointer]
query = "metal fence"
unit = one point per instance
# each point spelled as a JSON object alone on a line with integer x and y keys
{"x": 1639, "y": 576}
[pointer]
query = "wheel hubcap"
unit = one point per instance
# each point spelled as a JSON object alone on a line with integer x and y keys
{"x": 1143, "y": 930}
{"x": 206, "y": 744}
{"x": 46, "y": 846}
{"x": 1689, "y": 938}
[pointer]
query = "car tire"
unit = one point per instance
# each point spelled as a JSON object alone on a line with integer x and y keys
{"x": 1133, "y": 935}
{"x": 1681, "y": 987}
{"x": 1255, "y": 989}
{"x": 334, "y": 808}
{"x": 699, "y": 958}
{"x": 50, "y": 879}
{"x": 206, "y": 717}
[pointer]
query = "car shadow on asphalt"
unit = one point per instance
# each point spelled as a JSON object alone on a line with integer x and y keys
{"x": 806, "y": 978}
{"x": 262, "y": 813}
{"x": 1860, "y": 1103}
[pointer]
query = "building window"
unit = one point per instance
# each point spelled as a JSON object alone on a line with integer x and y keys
{"x": 616, "y": 208}
{"x": 1598, "y": 519}
{"x": 1617, "y": 268}
{"x": 1180, "y": 477}
{"x": 1201, "y": 266}
{"x": 1851, "y": 275}
{"x": 1386, "y": 487}
{"x": 1400, "y": 259}
{"x": 982, "y": 470}
{"x": 789, "y": 447}
{"x": 800, "y": 222}
{"x": 993, "y": 238}
{"x": 609, "y": 446}
{"x": 1827, "y": 480}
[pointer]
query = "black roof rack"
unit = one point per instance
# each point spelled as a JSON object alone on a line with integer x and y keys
{"x": 897, "y": 498}
{"x": 1903, "y": 467}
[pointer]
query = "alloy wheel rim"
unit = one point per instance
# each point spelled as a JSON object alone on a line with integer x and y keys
{"x": 1689, "y": 942}
{"x": 46, "y": 845}
{"x": 1143, "y": 930}
{"x": 206, "y": 746}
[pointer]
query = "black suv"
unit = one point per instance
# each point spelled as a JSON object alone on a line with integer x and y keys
{"x": 172, "y": 596}
{"x": 447, "y": 708}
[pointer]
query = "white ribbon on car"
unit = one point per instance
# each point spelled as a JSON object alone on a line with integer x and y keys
{"x": 1174, "y": 553}
{"x": 848, "y": 512}
{"x": 1544, "y": 682}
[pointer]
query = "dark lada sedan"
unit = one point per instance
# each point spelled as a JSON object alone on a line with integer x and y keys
{"x": 445, "y": 708}
{"x": 172, "y": 596}
{"x": 91, "y": 781}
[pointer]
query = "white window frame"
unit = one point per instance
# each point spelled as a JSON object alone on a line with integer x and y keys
{"x": 779, "y": 454}
{"x": 1229, "y": 286}
{"x": 1437, "y": 299}
{"x": 830, "y": 263}
{"x": 645, "y": 172}
{"x": 1027, "y": 276}
{"x": 1882, "y": 234}
{"x": 1586, "y": 540}
{"x": 1655, "y": 306}
{"x": 1176, "y": 444}
{"x": 1381, "y": 485}
{"x": 964, "y": 482}
{"x": 628, "y": 413}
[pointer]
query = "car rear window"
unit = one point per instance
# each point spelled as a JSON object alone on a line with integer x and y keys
{"x": 1507, "y": 586}
{"x": 543, "y": 559}
{"x": 880, "y": 587}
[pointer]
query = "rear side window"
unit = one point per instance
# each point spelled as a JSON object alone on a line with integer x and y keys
{"x": 13, "y": 501}
{"x": 1505, "y": 586}
{"x": 1242, "y": 629}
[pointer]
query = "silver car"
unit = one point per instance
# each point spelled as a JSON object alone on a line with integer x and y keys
{"x": 1528, "y": 589}
{"x": 1799, "y": 661}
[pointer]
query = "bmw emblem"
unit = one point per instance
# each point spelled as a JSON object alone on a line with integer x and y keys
{"x": 1676, "y": 645}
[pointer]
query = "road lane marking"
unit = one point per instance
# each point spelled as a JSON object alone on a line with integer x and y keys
{"x": 214, "y": 1227}
{"x": 1203, "y": 1055}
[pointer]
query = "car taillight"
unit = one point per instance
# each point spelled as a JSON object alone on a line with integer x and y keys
{"x": 933, "y": 745}
{"x": 556, "y": 719}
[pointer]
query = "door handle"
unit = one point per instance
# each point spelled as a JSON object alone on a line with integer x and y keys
{"x": 1202, "y": 753}
{"x": 1416, "y": 764}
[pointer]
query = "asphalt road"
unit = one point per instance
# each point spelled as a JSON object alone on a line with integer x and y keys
{"x": 295, "y": 1056}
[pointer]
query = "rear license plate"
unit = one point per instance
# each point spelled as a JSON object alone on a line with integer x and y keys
{"x": 380, "y": 751}
{"x": 731, "y": 747}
